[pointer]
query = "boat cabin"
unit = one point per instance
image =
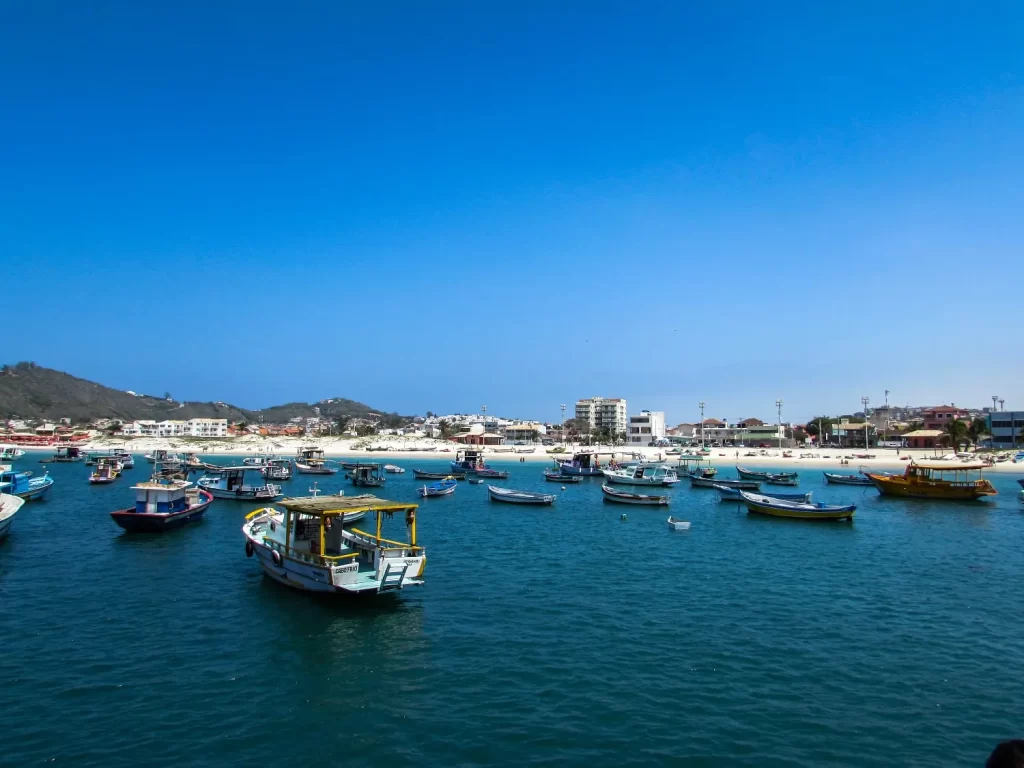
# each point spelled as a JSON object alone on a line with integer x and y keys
{"x": 310, "y": 545}
{"x": 164, "y": 497}
{"x": 587, "y": 460}
{"x": 370, "y": 475}
{"x": 697, "y": 466}
{"x": 310, "y": 454}
{"x": 469, "y": 458}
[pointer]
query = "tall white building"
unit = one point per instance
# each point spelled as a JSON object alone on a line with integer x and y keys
{"x": 645, "y": 427}
{"x": 175, "y": 428}
{"x": 602, "y": 412}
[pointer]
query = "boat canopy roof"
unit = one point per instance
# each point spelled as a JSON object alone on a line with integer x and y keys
{"x": 161, "y": 484}
{"x": 339, "y": 505}
{"x": 950, "y": 466}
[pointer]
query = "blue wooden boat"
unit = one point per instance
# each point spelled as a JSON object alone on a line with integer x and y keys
{"x": 711, "y": 482}
{"x": 444, "y": 487}
{"x": 837, "y": 478}
{"x": 23, "y": 485}
{"x": 493, "y": 474}
{"x": 162, "y": 505}
{"x": 726, "y": 493}
{"x": 585, "y": 464}
{"x": 468, "y": 460}
{"x": 555, "y": 476}
{"x": 750, "y": 474}
{"x": 766, "y": 505}
{"x": 782, "y": 479}
{"x": 424, "y": 475}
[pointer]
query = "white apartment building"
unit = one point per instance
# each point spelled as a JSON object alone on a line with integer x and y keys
{"x": 602, "y": 412}
{"x": 750, "y": 433}
{"x": 645, "y": 427}
{"x": 176, "y": 428}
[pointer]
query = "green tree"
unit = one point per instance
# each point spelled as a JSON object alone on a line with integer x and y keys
{"x": 241, "y": 426}
{"x": 955, "y": 434}
{"x": 977, "y": 428}
{"x": 820, "y": 427}
{"x": 446, "y": 428}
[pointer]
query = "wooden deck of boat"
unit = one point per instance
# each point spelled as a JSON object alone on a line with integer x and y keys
{"x": 321, "y": 504}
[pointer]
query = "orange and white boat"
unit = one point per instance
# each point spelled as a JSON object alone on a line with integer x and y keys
{"x": 955, "y": 481}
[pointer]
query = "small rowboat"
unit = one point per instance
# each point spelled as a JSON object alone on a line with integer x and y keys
{"x": 519, "y": 497}
{"x": 440, "y": 488}
{"x": 733, "y": 494}
{"x": 709, "y": 482}
{"x": 493, "y": 474}
{"x": 557, "y": 477}
{"x": 421, "y": 475}
{"x": 678, "y": 525}
{"x": 622, "y": 497}
{"x": 837, "y": 478}
{"x": 394, "y": 469}
{"x": 766, "y": 505}
{"x": 475, "y": 481}
{"x": 750, "y": 474}
{"x": 783, "y": 479}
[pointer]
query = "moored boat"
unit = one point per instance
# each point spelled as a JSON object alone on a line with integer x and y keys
{"x": 642, "y": 474}
{"x": 643, "y": 499}
{"x": 65, "y": 454}
{"x": 9, "y": 506}
{"x": 23, "y": 485}
{"x": 934, "y": 480}
{"x": 838, "y": 478}
{"x": 783, "y": 479}
{"x": 229, "y": 483}
{"x": 163, "y": 456}
{"x": 444, "y": 487}
{"x": 468, "y": 460}
{"x": 766, "y": 505}
{"x": 584, "y": 463}
{"x": 492, "y": 474}
{"x": 519, "y": 497}
{"x": 277, "y": 469}
{"x": 162, "y": 505}
{"x": 423, "y": 475}
{"x": 394, "y": 469}
{"x": 308, "y": 546}
{"x": 678, "y": 525}
{"x": 10, "y": 453}
{"x": 711, "y": 482}
{"x": 107, "y": 470}
{"x": 733, "y": 494}
{"x": 310, "y": 461}
{"x": 555, "y": 476}
{"x": 750, "y": 474}
{"x": 367, "y": 475}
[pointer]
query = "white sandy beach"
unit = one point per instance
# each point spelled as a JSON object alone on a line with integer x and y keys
{"x": 388, "y": 448}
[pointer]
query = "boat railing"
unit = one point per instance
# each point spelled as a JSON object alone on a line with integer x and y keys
{"x": 372, "y": 541}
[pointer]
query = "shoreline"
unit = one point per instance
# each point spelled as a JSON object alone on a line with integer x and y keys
{"x": 398, "y": 448}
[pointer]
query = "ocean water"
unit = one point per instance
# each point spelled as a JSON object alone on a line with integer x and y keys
{"x": 549, "y": 636}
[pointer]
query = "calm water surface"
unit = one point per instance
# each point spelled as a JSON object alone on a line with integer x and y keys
{"x": 552, "y": 636}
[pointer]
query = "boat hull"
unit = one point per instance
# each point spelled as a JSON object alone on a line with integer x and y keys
{"x": 556, "y": 478}
{"x": 243, "y": 496}
{"x": 637, "y": 499}
{"x": 733, "y": 494}
{"x": 34, "y": 494}
{"x": 513, "y": 497}
{"x": 9, "y": 506}
{"x": 145, "y": 522}
{"x": 835, "y": 479}
{"x": 421, "y": 475}
{"x": 710, "y": 482}
{"x": 305, "y": 469}
{"x": 569, "y": 469}
{"x": 896, "y": 485}
{"x": 761, "y": 509}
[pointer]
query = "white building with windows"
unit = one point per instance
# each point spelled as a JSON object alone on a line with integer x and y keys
{"x": 645, "y": 427}
{"x": 176, "y": 428}
{"x": 207, "y": 427}
{"x": 603, "y": 412}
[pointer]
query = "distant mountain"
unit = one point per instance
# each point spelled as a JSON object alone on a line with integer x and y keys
{"x": 29, "y": 391}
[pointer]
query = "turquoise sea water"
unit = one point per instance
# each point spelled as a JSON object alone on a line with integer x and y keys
{"x": 552, "y": 636}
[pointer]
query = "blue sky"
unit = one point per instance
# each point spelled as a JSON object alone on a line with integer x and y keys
{"x": 436, "y": 206}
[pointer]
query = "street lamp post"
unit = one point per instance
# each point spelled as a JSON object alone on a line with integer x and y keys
{"x": 865, "y": 400}
{"x": 701, "y": 404}
{"x": 885, "y": 427}
{"x": 562, "y": 430}
{"x": 778, "y": 405}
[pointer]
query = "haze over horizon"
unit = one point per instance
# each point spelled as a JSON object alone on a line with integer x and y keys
{"x": 434, "y": 208}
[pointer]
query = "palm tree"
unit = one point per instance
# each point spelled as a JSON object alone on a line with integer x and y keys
{"x": 977, "y": 428}
{"x": 446, "y": 428}
{"x": 955, "y": 434}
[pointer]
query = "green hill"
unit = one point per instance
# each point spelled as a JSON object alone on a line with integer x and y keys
{"x": 29, "y": 391}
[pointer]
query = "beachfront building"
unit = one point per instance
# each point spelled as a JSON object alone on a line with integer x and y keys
{"x": 477, "y": 435}
{"x": 603, "y": 413}
{"x": 1006, "y": 428}
{"x": 206, "y": 427}
{"x": 743, "y": 432}
{"x": 523, "y": 430}
{"x": 645, "y": 427}
{"x": 939, "y": 416}
{"x": 851, "y": 433}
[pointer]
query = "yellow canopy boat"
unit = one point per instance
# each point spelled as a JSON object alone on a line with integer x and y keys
{"x": 936, "y": 480}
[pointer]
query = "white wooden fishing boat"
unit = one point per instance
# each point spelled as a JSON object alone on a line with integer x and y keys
{"x": 9, "y": 506}
{"x": 367, "y": 475}
{"x": 163, "y": 456}
{"x": 642, "y": 474}
{"x": 622, "y": 497}
{"x": 229, "y": 483}
{"x": 837, "y": 478}
{"x": 394, "y": 469}
{"x": 519, "y": 497}
{"x": 277, "y": 469}
{"x": 726, "y": 493}
{"x": 678, "y": 525}
{"x": 10, "y": 453}
{"x": 585, "y": 463}
{"x": 310, "y": 547}
{"x": 310, "y": 461}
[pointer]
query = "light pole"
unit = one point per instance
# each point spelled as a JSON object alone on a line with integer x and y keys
{"x": 885, "y": 427}
{"x": 1002, "y": 404}
{"x": 562, "y": 430}
{"x": 778, "y": 405}
{"x": 701, "y": 404}
{"x": 865, "y": 400}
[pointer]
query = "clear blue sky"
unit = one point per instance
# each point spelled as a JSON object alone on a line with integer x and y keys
{"x": 435, "y": 206}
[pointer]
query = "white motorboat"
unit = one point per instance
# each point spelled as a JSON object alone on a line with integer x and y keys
{"x": 678, "y": 525}
{"x": 642, "y": 474}
{"x": 9, "y": 506}
{"x": 229, "y": 483}
{"x": 519, "y": 497}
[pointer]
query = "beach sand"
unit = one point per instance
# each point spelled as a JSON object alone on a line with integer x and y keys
{"x": 388, "y": 448}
